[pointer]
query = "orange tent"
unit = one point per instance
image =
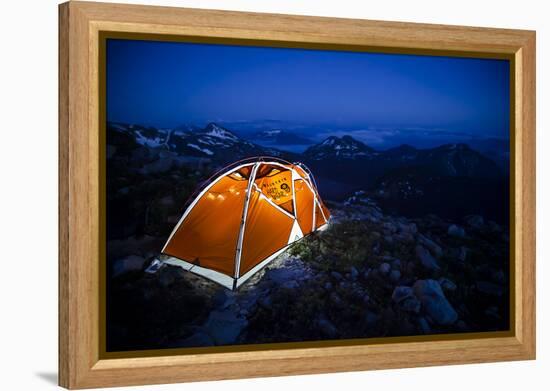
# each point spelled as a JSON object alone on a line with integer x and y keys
{"x": 244, "y": 217}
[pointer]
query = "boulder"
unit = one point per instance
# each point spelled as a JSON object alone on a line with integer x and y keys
{"x": 426, "y": 259}
{"x": 404, "y": 296}
{"x": 435, "y": 303}
{"x": 384, "y": 268}
{"x": 400, "y": 293}
{"x": 434, "y": 248}
{"x": 455, "y": 230}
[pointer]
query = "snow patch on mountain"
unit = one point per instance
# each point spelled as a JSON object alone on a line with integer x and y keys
{"x": 204, "y": 150}
{"x": 219, "y": 132}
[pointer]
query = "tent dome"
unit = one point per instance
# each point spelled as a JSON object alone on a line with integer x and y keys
{"x": 243, "y": 217}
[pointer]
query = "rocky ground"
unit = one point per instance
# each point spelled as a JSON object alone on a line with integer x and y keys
{"x": 369, "y": 275}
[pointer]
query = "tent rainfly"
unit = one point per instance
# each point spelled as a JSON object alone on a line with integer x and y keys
{"x": 244, "y": 217}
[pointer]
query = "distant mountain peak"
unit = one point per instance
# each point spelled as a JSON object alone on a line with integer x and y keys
{"x": 345, "y": 147}
{"x": 214, "y": 130}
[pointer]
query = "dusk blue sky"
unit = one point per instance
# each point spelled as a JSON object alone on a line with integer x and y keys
{"x": 382, "y": 99}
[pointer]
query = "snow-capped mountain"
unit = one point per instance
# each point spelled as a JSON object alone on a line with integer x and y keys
{"x": 213, "y": 141}
{"x": 448, "y": 159}
{"x": 334, "y": 147}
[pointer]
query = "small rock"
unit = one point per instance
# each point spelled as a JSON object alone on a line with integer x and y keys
{"x": 327, "y": 328}
{"x": 434, "y": 248}
{"x": 435, "y": 303}
{"x": 426, "y": 259}
{"x": 400, "y": 293}
{"x": 447, "y": 284}
{"x": 328, "y": 286}
{"x": 455, "y": 230}
{"x": 395, "y": 275}
{"x": 354, "y": 273}
{"x": 336, "y": 275}
{"x": 388, "y": 239}
{"x": 384, "y": 268}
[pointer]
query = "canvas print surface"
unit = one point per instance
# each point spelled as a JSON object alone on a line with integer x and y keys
{"x": 264, "y": 195}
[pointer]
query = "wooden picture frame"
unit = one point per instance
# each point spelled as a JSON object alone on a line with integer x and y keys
{"x": 81, "y": 362}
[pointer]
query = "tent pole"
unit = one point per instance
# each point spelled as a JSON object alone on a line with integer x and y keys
{"x": 238, "y": 252}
